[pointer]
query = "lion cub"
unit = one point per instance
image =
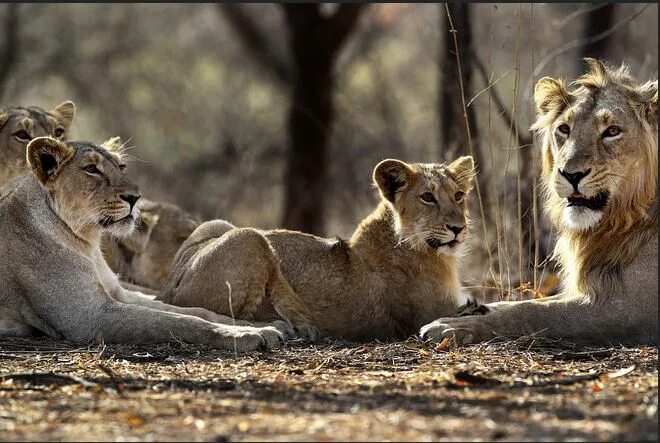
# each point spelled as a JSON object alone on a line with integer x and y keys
{"x": 398, "y": 271}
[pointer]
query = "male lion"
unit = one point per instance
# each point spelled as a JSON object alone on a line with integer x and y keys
{"x": 397, "y": 272}
{"x": 20, "y": 125}
{"x": 600, "y": 170}
{"x": 53, "y": 277}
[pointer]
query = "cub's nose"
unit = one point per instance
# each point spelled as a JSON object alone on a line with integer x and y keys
{"x": 574, "y": 177}
{"x": 455, "y": 229}
{"x": 130, "y": 198}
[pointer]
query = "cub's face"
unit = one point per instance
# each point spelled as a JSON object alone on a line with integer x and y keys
{"x": 18, "y": 126}
{"x": 430, "y": 202}
{"x": 87, "y": 184}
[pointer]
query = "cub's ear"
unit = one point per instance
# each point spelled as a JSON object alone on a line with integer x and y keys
{"x": 550, "y": 95}
{"x": 391, "y": 176}
{"x": 463, "y": 172}
{"x": 46, "y": 156}
{"x": 66, "y": 112}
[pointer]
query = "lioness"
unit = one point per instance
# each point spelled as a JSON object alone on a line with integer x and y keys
{"x": 600, "y": 170}
{"x": 53, "y": 277}
{"x": 19, "y": 125}
{"x": 397, "y": 272}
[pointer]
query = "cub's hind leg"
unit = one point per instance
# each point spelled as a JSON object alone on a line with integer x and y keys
{"x": 228, "y": 274}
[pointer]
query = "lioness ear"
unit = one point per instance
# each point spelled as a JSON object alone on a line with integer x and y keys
{"x": 3, "y": 118}
{"x": 463, "y": 172}
{"x": 66, "y": 111}
{"x": 391, "y": 176}
{"x": 112, "y": 144}
{"x": 45, "y": 155}
{"x": 550, "y": 95}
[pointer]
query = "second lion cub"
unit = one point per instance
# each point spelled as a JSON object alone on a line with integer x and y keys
{"x": 398, "y": 271}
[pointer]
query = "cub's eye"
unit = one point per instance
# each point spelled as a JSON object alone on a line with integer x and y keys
{"x": 92, "y": 169}
{"x": 564, "y": 129}
{"x": 459, "y": 196}
{"x": 122, "y": 168}
{"x": 22, "y": 135}
{"x": 612, "y": 131}
{"x": 427, "y": 197}
{"x": 59, "y": 132}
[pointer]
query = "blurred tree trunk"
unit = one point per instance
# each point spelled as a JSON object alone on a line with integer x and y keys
{"x": 315, "y": 42}
{"x": 598, "y": 21}
{"x": 10, "y": 50}
{"x": 453, "y": 130}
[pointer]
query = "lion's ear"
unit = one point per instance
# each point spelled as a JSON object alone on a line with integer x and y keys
{"x": 391, "y": 176}
{"x": 46, "y": 156}
{"x": 66, "y": 112}
{"x": 463, "y": 171}
{"x": 648, "y": 95}
{"x": 550, "y": 95}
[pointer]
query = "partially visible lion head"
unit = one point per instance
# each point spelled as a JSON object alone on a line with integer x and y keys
{"x": 146, "y": 256}
{"x": 600, "y": 148}
{"x": 20, "y": 125}
{"x": 429, "y": 200}
{"x": 87, "y": 184}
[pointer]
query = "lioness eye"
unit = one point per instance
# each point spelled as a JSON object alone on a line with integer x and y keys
{"x": 427, "y": 197}
{"x": 564, "y": 129}
{"x": 459, "y": 196}
{"x": 612, "y": 131}
{"x": 59, "y": 132}
{"x": 92, "y": 169}
{"x": 22, "y": 135}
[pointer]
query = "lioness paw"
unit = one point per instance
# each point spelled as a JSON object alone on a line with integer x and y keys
{"x": 307, "y": 332}
{"x": 461, "y": 330}
{"x": 244, "y": 339}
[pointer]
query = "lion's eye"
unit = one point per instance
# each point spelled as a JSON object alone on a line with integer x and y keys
{"x": 22, "y": 135}
{"x": 611, "y": 131}
{"x": 92, "y": 169}
{"x": 59, "y": 132}
{"x": 564, "y": 129}
{"x": 459, "y": 196}
{"x": 427, "y": 197}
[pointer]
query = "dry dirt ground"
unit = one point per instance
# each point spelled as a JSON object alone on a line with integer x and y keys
{"x": 523, "y": 390}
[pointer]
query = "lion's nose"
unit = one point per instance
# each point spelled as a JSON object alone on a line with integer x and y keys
{"x": 455, "y": 229}
{"x": 130, "y": 198}
{"x": 574, "y": 177}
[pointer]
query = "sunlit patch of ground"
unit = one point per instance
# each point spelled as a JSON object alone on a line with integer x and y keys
{"x": 529, "y": 390}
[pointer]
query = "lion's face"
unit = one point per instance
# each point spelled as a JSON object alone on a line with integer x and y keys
{"x": 20, "y": 125}
{"x": 595, "y": 145}
{"x": 87, "y": 184}
{"x": 430, "y": 201}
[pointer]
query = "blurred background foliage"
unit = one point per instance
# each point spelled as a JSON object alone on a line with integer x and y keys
{"x": 274, "y": 115}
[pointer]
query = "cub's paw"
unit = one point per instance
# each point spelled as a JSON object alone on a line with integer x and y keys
{"x": 462, "y": 330}
{"x": 245, "y": 338}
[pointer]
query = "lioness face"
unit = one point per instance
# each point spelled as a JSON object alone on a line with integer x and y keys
{"x": 430, "y": 201}
{"x": 87, "y": 183}
{"x": 595, "y": 141}
{"x": 20, "y": 125}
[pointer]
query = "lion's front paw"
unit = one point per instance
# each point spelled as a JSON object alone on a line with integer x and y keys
{"x": 462, "y": 330}
{"x": 245, "y": 338}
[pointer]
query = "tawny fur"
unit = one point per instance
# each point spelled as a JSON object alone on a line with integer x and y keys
{"x": 53, "y": 278}
{"x": 609, "y": 264}
{"x": 385, "y": 282}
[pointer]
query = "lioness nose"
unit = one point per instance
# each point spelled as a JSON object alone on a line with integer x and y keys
{"x": 575, "y": 177}
{"x": 130, "y": 198}
{"x": 455, "y": 229}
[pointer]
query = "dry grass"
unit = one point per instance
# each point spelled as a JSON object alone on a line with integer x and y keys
{"x": 51, "y": 390}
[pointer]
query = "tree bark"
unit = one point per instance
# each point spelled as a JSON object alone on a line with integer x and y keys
{"x": 315, "y": 42}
